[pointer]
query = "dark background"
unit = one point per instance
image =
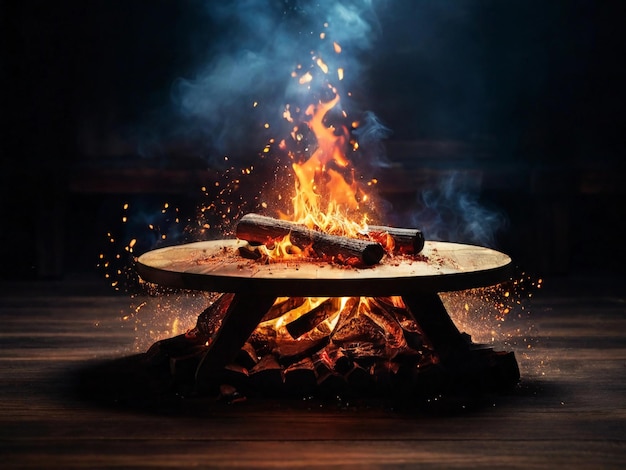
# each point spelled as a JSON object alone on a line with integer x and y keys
{"x": 528, "y": 94}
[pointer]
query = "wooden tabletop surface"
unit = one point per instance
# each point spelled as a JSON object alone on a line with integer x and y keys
{"x": 216, "y": 265}
{"x": 68, "y": 398}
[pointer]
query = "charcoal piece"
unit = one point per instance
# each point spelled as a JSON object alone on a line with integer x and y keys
{"x": 300, "y": 378}
{"x": 266, "y": 377}
{"x": 247, "y": 356}
{"x": 236, "y": 375}
{"x": 289, "y": 352}
{"x": 306, "y": 322}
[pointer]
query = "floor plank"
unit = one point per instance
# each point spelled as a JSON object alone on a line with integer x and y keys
{"x": 569, "y": 409}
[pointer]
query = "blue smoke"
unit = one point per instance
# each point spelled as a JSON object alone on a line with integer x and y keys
{"x": 246, "y": 78}
{"x": 451, "y": 210}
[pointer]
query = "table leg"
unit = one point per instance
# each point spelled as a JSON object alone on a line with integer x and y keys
{"x": 242, "y": 317}
{"x": 468, "y": 363}
{"x": 437, "y": 326}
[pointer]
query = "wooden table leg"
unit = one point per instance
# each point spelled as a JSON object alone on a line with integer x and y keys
{"x": 438, "y": 328}
{"x": 477, "y": 366}
{"x": 243, "y": 315}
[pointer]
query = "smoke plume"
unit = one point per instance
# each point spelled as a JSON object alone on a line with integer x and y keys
{"x": 234, "y": 100}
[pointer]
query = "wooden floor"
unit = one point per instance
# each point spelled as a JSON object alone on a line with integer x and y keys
{"x": 63, "y": 406}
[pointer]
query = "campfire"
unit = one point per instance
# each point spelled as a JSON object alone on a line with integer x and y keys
{"x": 319, "y": 296}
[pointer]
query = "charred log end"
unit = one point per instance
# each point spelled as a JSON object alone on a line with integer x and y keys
{"x": 418, "y": 242}
{"x": 373, "y": 253}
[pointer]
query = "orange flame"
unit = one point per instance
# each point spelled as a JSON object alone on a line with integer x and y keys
{"x": 324, "y": 199}
{"x": 327, "y": 195}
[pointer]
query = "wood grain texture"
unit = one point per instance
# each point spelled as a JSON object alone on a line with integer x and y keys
{"x": 205, "y": 266}
{"x": 61, "y": 343}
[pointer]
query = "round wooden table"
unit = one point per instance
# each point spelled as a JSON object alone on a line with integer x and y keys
{"x": 440, "y": 267}
{"x": 214, "y": 266}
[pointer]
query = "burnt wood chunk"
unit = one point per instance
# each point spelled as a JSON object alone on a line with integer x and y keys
{"x": 289, "y": 352}
{"x": 282, "y": 306}
{"x": 247, "y": 356}
{"x": 267, "y": 376}
{"x": 312, "y": 318}
{"x": 256, "y": 228}
{"x": 236, "y": 375}
{"x": 300, "y": 378}
{"x": 405, "y": 240}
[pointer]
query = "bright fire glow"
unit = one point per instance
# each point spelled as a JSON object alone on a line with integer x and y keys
{"x": 327, "y": 195}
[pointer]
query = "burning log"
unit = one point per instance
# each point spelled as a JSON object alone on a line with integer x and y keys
{"x": 283, "y": 306}
{"x": 264, "y": 230}
{"x": 359, "y": 329}
{"x": 308, "y": 321}
{"x": 289, "y": 352}
{"x": 408, "y": 241}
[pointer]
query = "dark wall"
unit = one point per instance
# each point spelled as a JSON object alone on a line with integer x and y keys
{"x": 540, "y": 82}
{"x": 544, "y": 78}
